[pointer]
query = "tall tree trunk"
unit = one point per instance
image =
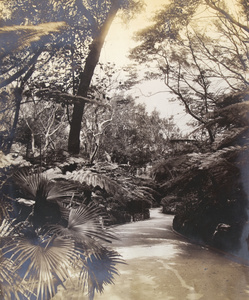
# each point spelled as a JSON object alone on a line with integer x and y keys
{"x": 86, "y": 77}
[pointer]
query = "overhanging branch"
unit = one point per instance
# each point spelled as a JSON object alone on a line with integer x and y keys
{"x": 60, "y": 97}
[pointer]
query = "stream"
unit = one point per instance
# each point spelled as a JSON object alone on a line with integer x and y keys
{"x": 162, "y": 265}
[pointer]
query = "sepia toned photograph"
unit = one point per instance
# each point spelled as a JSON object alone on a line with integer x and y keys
{"x": 124, "y": 150}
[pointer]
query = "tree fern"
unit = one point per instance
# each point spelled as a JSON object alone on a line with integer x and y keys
{"x": 212, "y": 185}
{"x": 96, "y": 179}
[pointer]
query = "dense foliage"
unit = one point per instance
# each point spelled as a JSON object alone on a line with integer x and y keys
{"x": 208, "y": 190}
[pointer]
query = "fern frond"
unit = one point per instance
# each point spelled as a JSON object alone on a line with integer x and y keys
{"x": 143, "y": 193}
{"x": 237, "y": 113}
{"x": 96, "y": 179}
{"x": 231, "y": 137}
{"x": 212, "y": 159}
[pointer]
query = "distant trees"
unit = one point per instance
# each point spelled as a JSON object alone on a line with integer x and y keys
{"x": 55, "y": 75}
{"x": 42, "y": 128}
{"x": 136, "y": 137}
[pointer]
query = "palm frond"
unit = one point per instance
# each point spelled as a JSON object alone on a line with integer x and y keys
{"x": 10, "y": 282}
{"x": 99, "y": 270}
{"x": 44, "y": 262}
{"x": 60, "y": 191}
{"x": 35, "y": 184}
{"x": 6, "y": 228}
{"x": 29, "y": 182}
{"x": 84, "y": 224}
{"x": 64, "y": 210}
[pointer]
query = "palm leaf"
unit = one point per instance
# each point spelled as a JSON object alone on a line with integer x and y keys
{"x": 84, "y": 224}
{"x": 99, "y": 270}
{"x": 10, "y": 282}
{"x": 7, "y": 268}
{"x": 44, "y": 262}
{"x": 6, "y": 228}
{"x": 29, "y": 182}
{"x": 64, "y": 210}
{"x": 61, "y": 190}
{"x": 32, "y": 182}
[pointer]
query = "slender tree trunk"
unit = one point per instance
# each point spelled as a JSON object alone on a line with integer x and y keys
{"x": 18, "y": 100}
{"x": 86, "y": 77}
{"x": 92, "y": 157}
{"x": 32, "y": 142}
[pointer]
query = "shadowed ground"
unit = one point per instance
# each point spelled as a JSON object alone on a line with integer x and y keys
{"x": 162, "y": 265}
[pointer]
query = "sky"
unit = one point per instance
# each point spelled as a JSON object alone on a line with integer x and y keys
{"x": 153, "y": 94}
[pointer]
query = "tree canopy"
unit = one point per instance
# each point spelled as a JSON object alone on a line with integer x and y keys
{"x": 199, "y": 59}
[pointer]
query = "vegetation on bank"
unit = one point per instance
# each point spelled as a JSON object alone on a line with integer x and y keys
{"x": 208, "y": 190}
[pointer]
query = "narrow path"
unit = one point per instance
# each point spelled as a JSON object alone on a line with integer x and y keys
{"x": 163, "y": 266}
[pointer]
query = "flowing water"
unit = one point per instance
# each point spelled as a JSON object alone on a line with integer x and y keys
{"x": 162, "y": 265}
